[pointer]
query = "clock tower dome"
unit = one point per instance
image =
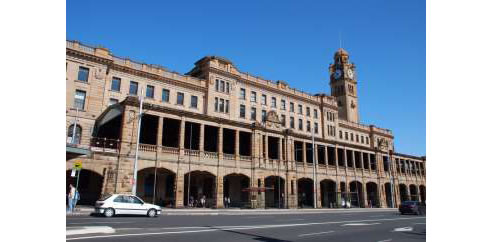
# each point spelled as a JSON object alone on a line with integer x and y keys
{"x": 343, "y": 83}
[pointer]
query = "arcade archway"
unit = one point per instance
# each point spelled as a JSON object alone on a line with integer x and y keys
{"x": 233, "y": 189}
{"x": 305, "y": 193}
{"x": 328, "y": 193}
{"x": 162, "y": 193}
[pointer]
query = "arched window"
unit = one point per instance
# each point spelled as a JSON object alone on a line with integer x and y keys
{"x": 78, "y": 134}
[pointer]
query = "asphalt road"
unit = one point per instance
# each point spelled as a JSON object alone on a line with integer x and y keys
{"x": 346, "y": 226}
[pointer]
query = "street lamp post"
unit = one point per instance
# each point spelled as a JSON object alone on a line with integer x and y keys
{"x": 135, "y": 165}
{"x": 315, "y": 153}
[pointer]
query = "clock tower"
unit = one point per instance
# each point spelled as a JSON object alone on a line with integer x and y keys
{"x": 343, "y": 83}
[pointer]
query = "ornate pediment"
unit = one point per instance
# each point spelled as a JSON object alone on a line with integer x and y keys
{"x": 272, "y": 120}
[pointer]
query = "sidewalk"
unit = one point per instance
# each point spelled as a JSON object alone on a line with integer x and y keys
{"x": 87, "y": 210}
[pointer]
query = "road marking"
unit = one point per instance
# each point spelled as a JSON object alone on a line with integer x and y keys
{"x": 404, "y": 229}
{"x": 418, "y": 223}
{"x": 294, "y": 219}
{"x": 302, "y": 235}
{"x": 101, "y": 223}
{"x": 359, "y": 224}
{"x": 386, "y": 240}
{"x": 225, "y": 228}
{"x": 91, "y": 230}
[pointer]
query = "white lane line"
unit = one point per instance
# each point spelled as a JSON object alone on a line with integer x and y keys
{"x": 294, "y": 219}
{"x": 404, "y": 229}
{"x": 91, "y": 230}
{"x": 101, "y": 223}
{"x": 386, "y": 240}
{"x": 239, "y": 228}
{"x": 359, "y": 224}
{"x": 302, "y": 235}
{"x": 418, "y": 223}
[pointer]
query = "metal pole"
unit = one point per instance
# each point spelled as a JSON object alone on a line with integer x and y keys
{"x": 75, "y": 125}
{"x": 135, "y": 165}
{"x": 315, "y": 154}
{"x": 391, "y": 181}
{"x": 189, "y": 163}
{"x": 77, "y": 186}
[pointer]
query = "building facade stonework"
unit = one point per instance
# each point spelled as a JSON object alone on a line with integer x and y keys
{"x": 217, "y": 132}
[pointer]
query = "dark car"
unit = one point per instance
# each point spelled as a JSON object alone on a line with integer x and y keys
{"x": 412, "y": 207}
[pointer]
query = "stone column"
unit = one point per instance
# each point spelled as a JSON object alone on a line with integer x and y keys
{"x": 280, "y": 150}
{"x": 266, "y": 147}
{"x": 353, "y": 159}
{"x": 201, "y": 145}
{"x": 236, "y": 143}
{"x": 318, "y": 192}
{"x": 262, "y": 194}
{"x": 220, "y": 143}
{"x": 304, "y": 159}
{"x": 219, "y": 198}
{"x": 159, "y": 135}
{"x": 179, "y": 190}
{"x": 182, "y": 137}
{"x": 326, "y": 155}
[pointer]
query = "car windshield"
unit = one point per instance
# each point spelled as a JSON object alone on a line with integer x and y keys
{"x": 104, "y": 197}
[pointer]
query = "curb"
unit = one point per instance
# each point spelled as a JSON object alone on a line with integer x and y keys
{"x": 211, "y": 212}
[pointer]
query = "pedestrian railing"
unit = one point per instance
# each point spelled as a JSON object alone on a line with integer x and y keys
{"x": 148, "y": 148}
{"x": 104, "y": 144}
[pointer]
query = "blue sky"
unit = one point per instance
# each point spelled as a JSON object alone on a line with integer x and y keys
{"x": 280, "y": 40}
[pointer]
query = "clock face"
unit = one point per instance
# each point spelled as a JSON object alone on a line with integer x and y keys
{"x": 350, "y": 73}
{"x": 338, "y": 74}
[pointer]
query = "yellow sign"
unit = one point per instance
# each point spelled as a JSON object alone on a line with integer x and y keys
{"x": 77, "y": 165}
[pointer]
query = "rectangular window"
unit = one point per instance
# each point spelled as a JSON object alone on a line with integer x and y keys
{"x": 165, "y": 95}
{"x": 113, "y": 101}
{"x": 263, "y": 116}
{"x": 299, "y": 109}
{"x": 242, "y": 111}
{"x": 227, "y": 87}
{"x": 282, "y": 120}
{"x": 308, "y": 111}
{"x": 292, "y": 125}
{"x": 180, "y": 98}
{"x": 115, "y": 84}
{"x": 351, "y": 137}
{"x": 346, "y": 135}
{"x": 217, "y": 84}
{"x": 316, "y": 113}
{"x": 83, "y": 74}
{"x": 308, "y": 125}
{"x": 315, "y": 128}
{"x": 227, "y": 106}
{"x": 242, "y": 94}
{"x": 133, "y": 88}
{"x": 150, "y": 91}
{"x": 221, "y": 105}
{"x": 340, "y": 134}
{"x": 292, "y": 107}
{"x": 253, "y": 113}
{"x": 253, "y": 97}
{"x": 367, "y": 140}
{"x": 194, "y": 102}
{"x": 216, "y": 104}
{"x": 222, "y": 84}
{"x": 274, "y": 102}
{"x": 263, "y": 99}
{"x": 357, "y": 138}
{"x": 300, "y": 124}
{"x": 282, "y": 104}
{"x": 79, "y": 101}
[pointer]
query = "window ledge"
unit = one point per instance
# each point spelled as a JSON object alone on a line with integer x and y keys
{"x": 83, "y": 82}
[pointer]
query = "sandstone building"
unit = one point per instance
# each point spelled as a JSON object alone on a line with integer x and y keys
{"x": 216, "y": 131}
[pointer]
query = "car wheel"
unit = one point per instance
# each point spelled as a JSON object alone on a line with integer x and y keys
{"x": 108, "y": 212}
{"x": 151, "y": 213}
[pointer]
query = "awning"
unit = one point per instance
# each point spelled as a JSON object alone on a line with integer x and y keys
{"x": 77, "y": 150}
{"x": 109, "y": 114}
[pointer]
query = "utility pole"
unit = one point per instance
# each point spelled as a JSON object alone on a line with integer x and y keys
{"x": 189, "y": 163}
{"x": 74, "y": 134}
{"x": 135, "y": 165}
{"x": 390, "y": 152}
{"x": 315, "y": 153}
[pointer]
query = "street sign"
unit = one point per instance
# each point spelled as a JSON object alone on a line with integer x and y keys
{"x": 73, "y": 172}
{"x": 77, "y": 165}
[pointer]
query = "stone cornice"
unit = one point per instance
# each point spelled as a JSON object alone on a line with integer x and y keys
{"x": 111, "y": 65}
{"x": 275, "y": 90}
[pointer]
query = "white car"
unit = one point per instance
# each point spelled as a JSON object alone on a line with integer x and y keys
{"x": 114, "y": 204}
